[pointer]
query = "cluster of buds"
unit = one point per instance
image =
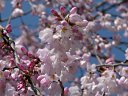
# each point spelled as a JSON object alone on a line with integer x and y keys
{"x": 25, "y": 72}
{"x": 22, "y": 84}
{"x": 34, "y": 62}
{"x": 72, "y": 18}
{"x": 5, "y": 43}
{"x": 59, "y": 17}
{"x": 70, "y": 21}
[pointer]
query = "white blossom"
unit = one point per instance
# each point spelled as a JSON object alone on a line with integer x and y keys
{"x": 17, "y": 12}
{"x": 46, "y": 35}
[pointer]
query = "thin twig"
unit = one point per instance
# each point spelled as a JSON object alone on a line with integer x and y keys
{"x": 100, "y": 4}
{"x": 113, "y": 65}
{"x": 62, "y": 88}
{"x": 6, "y": 19}
{"x": 110, "y": 7}
{"x": 37, "y": 93}
{"x": 9, "y": 19}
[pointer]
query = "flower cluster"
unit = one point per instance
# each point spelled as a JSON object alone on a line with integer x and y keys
{"x": 72, "y": 52}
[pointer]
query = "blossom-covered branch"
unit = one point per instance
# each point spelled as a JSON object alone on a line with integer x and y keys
{"x": 76, "y": 48}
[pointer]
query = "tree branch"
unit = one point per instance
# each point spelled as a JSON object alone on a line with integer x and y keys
{"x": 124, "y": 64}
{"x": 6, "y": 19}
{"x": 62, "y": 88}
{"x": 110, "y": 7}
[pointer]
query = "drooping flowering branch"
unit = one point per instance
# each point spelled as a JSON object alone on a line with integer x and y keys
{"x": 9, "y": 45}
{"x": 63, "y": 60}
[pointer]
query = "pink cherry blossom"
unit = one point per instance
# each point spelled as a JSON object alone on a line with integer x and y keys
{"x": 63, "y": 48}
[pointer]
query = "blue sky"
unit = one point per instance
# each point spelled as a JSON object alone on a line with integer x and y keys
{"x": 32, "y": 21}
{"x": 29, "y": 19}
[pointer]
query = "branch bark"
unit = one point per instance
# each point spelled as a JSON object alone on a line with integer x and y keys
{"x": 62, "y": 88}
{"x": 6, "y": 19}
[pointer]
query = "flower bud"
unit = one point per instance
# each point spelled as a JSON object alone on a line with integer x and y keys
{"x": 54, "y": 13}
{"x": 73, "y": 10}
{"x": 30, "y": 54}
{"x": 109, "y": 60}
{"x": 58, "y": 18}
{"x": 8, "y": 28}
{"x": 66, "y": 90}
{"x": 24, "y": 50}
{"x": 73, "y": 18}
{"x": 39, "y": 78}
{"x": 62, "y": 10}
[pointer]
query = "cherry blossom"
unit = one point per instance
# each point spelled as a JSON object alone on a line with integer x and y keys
{"x": 17, "y": 12}
{"x": 68, "y": 48}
